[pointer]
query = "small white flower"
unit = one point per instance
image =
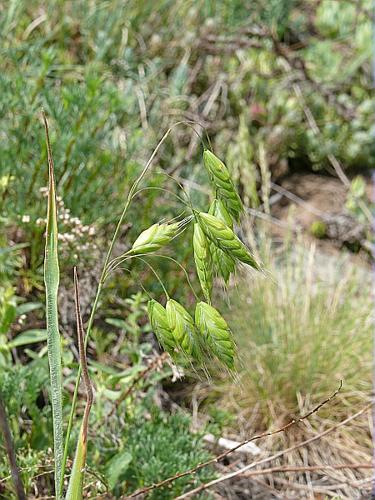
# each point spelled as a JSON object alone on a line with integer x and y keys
{"x": 26, "y": 218}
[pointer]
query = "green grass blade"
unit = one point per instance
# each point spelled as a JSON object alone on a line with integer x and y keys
{"x": 51, "y": 280}
{"x": 75, "y": 488}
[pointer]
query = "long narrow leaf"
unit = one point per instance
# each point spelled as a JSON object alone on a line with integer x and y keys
{"x": 51, "y": 280}
{"x": 75, "y": 488}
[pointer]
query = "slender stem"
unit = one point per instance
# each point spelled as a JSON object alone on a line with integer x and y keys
{"x": 132, "y": 190}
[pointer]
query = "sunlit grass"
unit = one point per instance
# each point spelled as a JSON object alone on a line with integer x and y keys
{"x": 302, "y": 329}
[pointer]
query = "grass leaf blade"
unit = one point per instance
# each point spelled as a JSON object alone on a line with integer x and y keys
{"x": 51, "y": 280}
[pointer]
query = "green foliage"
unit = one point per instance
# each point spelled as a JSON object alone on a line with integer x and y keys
{"x": 109, "y": 96}
{"x": 157, "y": 448}
{"x": 318, "y": 229}
{"x": 111, "y": 77}
{"x": 357, "y": 199}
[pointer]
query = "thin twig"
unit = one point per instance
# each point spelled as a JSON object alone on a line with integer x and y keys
{"x": 273, "y": 457}
{"x": 306, "y": 468}
{"x": 83, "y": 359}
{"x": 157, "y": 361}
{"x": 9, "y": 447}
{"x": 226, "y": 453}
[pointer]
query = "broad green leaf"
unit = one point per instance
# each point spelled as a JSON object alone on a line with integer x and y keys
{"x": 117, "y": 466}
{"x": 28, "y": 337}
{"x": 28, "y": 307}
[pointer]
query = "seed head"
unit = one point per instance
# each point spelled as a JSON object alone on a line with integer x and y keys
{"x": 216, "y": 333}
{"x": 183, "y": 328}
{"x": 225, "y": 239}
{"x": 158, "y": 319}
{"x": 153, "y": 238}
{"x": 224, "y": 185}
{"x": 203, "y": 261}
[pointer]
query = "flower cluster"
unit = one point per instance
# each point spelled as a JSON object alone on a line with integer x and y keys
{"x": 77, "y": 241}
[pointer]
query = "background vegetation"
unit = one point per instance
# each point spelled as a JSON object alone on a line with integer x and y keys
{"x": 278, "y": 88}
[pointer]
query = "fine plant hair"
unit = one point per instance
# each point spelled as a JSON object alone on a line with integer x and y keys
{"x": 193, "y": 338}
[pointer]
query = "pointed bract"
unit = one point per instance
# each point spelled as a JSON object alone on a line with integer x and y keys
{"x": 203, "y": 261}
{"x": 183, "y": 328}
{"x": 158, "y": 319}
{"x": 224, "y": 185}
{"x": 154, "y": 238}
{"x": 225, "y": 239}
{"x": 224, "y": 265}
{"x": 216, "y": 333}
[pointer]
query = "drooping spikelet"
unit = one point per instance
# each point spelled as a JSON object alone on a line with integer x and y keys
{"x": 223, "y": 183}
{"x": 224, "y": 265}
{"x": 203, "y": 260}
{"x": 218, "y": 209}
{"x": 158, "y": 319}
{"x": 216, "y": 333}
{"x": 183, "y": 328}
{"x": 224, "y": 238}
{"x": 153, "y": 238}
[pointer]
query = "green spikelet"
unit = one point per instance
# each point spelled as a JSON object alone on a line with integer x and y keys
{"x": 158, "y": 319}
{"x": 203, "y": 261}
{"x": 223, "y": 263}
{"x": 183, "y": 328}
{"x": 224, "y": 238}
{"x": 216, "y": 333}
{"x": 223, "y": 183}
{"x": 218, "y": 209}
{"x": 153, "y": 238}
